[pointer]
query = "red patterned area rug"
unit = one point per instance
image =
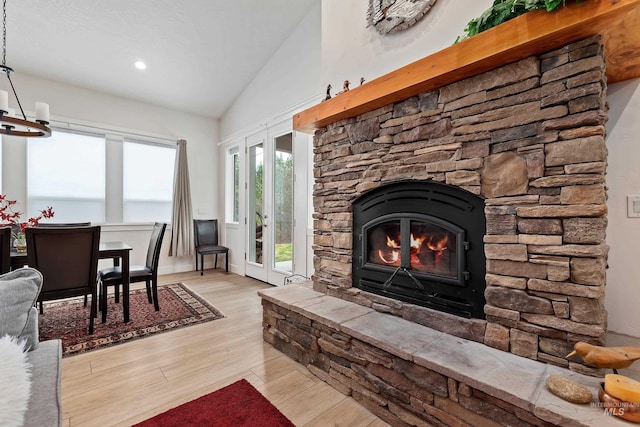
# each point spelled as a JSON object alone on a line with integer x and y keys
{"x": 68, "y": 319}
{"x": 236, "y": 405}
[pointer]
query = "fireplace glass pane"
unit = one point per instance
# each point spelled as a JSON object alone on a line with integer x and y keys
{"x": 383, "y": 242}
{"x": 433, "y": 249}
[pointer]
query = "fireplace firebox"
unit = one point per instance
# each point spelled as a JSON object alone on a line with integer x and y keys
{"x": 422, "y": 242}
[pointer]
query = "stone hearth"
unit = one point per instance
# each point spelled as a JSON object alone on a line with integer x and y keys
{"x": 528, "y": 138}
{"x": 411, "y": 375}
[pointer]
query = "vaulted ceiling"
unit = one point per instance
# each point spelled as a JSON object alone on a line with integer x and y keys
{"x": 200, "y": 54}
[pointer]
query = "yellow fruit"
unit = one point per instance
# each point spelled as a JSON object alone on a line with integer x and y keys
{"x": 623, "y": 388}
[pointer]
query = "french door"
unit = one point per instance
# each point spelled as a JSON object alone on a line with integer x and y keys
{"x": 270, "y": 206}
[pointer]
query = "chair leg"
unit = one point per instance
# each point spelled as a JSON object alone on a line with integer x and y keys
{"x": 201, "y": 264}
{"x": 215, "y": 265}
{"x": 99, "y": 290}
{"x": 85, "y": 300}
{"x": 226, "y": 262}
{"x": 41, "y": 307}
{"x": 93, "y": 312}
{"x": 148, "y": 282}
{"x": 154, "y": 286}
{"x": 103, "y": 302}
{"x": 116, "y": 289}
{"x": 196, "y": 261}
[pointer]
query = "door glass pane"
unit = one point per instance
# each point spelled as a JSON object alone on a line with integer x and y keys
{"x": 283, "y": 204}
{"x": 255, "y": 212}
{"x": 384, "y": 244}
{"x": 433, "y": 249}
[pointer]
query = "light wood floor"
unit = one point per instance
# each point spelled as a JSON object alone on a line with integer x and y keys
{"x": 128, "y": 383}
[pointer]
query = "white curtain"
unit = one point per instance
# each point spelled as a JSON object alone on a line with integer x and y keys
{"x": 182, "y": 216}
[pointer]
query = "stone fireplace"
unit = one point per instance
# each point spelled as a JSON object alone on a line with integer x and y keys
{"x": 459, "y": 247}
{"x": 528, "y": 140}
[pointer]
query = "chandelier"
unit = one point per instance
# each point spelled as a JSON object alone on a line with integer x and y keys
{"x": 9, "y": 124}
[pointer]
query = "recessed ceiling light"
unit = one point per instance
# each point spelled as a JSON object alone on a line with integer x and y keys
{"x": 140, "y": 65}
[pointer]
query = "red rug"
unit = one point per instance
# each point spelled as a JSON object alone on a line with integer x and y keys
{"x": 236, "y": 405}
{"x": 68, "y": 319}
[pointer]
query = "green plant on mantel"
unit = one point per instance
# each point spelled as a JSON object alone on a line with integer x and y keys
{"x": 504, "y": 10}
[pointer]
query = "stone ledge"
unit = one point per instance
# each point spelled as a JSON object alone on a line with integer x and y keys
{"x": 514, "y": 379}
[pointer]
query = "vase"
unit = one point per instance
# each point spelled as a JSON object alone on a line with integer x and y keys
{"x": 20, "y": 242}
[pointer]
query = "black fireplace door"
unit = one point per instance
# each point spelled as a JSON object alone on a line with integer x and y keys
{"x": 421, "y": 242}
{"x": 425, "y": 245}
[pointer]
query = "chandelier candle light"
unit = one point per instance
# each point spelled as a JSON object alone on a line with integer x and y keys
{"x": 16, "y": 126}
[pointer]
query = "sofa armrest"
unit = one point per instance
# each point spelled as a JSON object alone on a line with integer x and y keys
{"x": 19, "y": 291}
{"x": 30, "y": 332}
{"x": 45, "y": 402}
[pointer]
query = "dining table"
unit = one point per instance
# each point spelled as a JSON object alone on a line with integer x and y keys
{"x": 118, "y": 251}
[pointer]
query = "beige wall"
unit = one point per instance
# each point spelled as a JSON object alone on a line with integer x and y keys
{"x": 623, "y": 233}
{"x": 351, "y": 50}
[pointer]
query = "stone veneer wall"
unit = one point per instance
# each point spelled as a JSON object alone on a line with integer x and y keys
{"x": 414, "y": 378}
{"x": 529, "y": 137}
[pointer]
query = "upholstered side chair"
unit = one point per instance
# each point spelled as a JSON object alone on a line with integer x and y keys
{"x": 206, "y": 242}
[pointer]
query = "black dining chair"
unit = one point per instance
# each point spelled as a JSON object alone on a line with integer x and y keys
{"x": 65, "y": 224}
{"x": 67, "y": 257}
{"x": 147, "y": 273}
{"x": 206, "y": 242}
{"x": 5, "y": 249}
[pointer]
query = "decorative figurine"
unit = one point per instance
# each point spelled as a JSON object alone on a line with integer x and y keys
{"x": 345, "y": 87}
{"x": 361, "y": 80}
{"x": 328, "y": 92}
{"x": 606, "y": 357}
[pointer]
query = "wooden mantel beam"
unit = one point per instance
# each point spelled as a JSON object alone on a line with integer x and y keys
{"x": 618, "y": 21}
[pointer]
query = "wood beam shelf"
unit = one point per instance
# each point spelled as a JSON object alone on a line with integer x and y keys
{"x": 618, "y": 21}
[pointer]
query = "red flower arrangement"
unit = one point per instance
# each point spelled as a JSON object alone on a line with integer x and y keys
{"x": 11, "y": 217}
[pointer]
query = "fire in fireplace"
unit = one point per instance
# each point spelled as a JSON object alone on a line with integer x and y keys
{"x": 431, "y": 247}
{"x": 421, "y": 242}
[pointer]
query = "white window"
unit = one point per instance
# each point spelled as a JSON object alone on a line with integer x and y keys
{"x": 67, "y": 172}
{"x": 99, "y": 178}
{"x": 236, "y": 187}
{"x": 233, "y": 190}
{"x": 147, "y": 182}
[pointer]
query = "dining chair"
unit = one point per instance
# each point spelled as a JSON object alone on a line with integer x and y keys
{"x": 206, "y": 242}
{"x": 147, "y": 273}
{"x": 67, "y": 257}
{"x": 5, "y": 249}
{"x": 64, "y": 224}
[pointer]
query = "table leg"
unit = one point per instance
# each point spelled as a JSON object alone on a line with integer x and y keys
{"x": 125, "y": 285}
{"x": 116, "y": 287}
